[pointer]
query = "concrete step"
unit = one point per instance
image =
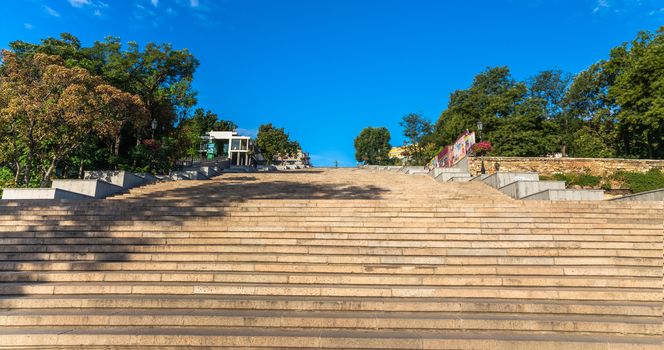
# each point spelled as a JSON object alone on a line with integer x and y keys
{"x": 329, "y": 259}
{"x": 355, "y": 320}
{"x": 531, "y": 237}
{"x": 299, "y": 278}
{"x": 311, "y": 303}
{"x": 571, "y": 251}
{"x": 175, "y": 244}
{"x": 503, "y": 270}
{"x": 277, "y": 289}
{"x": 237, "y": 338}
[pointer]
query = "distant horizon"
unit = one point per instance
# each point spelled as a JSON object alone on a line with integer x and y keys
{"x": 324, "y": 70}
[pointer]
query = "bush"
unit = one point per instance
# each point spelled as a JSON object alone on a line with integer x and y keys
{"x": 640, "y": 182}
{"x": 575, "y": 179}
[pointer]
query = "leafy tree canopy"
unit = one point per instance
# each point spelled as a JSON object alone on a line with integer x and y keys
{"x": 372, "y": 146}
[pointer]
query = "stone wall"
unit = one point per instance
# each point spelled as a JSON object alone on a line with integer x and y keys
{"x": 549, "y": 166}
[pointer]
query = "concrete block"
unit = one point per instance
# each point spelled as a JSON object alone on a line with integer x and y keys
{"x": 461, "y": 178}
{"x": 567, "y": 195}
{"x": 500, "y": 179}
{"x": 480, "y": 177}
{"x": 648, "y": 196}
{"x": 92, "y": 187}
{"x": 462, "y": 164}
{"x": 121, "y": 178}
{"x": 437, "y": 171}
{"x": 149, "y": 178}
{"x": 520, "y": 189}
{"x": 208, "y": 171}
{"x": 414, "y": 170}
{"x": 447, "y": 175}
{"x": 41, "y": 193}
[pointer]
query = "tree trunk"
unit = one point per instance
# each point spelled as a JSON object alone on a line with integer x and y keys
{"x": 28, "y": 164}
{"x": 31, "y": 154}
{"x": 116, "y": 147}
{"x": 17, "y": 176}
{"x": 49, "y": 171}
{"x": 80, "y": 170}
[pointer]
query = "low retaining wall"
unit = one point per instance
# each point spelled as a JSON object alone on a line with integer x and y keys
{"x": 549, "y": 166}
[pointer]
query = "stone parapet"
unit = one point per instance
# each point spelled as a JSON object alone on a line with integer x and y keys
{"x": 549, "y": 166}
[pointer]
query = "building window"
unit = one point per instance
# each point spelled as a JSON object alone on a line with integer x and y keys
{"x": 235, "y": 145}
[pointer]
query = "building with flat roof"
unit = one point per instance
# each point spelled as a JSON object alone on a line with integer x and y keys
{"x": 237, "y": 148}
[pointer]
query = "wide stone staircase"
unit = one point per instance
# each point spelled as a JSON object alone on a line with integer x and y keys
{"x": 332, "y": 259}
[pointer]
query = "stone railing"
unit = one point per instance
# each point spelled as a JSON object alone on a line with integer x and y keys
{"x": 548, "y": 166}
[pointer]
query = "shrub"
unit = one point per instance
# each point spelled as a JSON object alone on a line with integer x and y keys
{"x": 640, "y": 182}
{"x": 575, "y": 179}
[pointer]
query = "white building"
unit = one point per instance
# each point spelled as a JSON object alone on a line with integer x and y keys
{"x": 238, "y": 149}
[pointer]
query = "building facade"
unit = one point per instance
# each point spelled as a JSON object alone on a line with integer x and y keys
{"x": 237, "y": 148}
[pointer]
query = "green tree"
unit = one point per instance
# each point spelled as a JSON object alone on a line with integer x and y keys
{"x": 372, "y": 146}
{"x": 418, "y": 132}
{"x": 510, "y": 118}
{"x": 592, "y": 112}
{"x": 54, "y": 109}
{"x": 549, "y": 89}
{"x": 639, "y": 91}
{"x": 275, "y": 142}
{"x": 160, "y": 75}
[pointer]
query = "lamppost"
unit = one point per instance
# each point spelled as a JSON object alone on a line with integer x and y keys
{"x": 479, "y": 137}
{"x": 153, "y": 126}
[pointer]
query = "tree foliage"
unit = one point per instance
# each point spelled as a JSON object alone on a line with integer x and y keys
{"x": 615, "y": 108}
{"x": 372, "y": 146}
{"x": 53, "y": 110}
{"x": 56, "y": 89}
{"x": 417, "y": 131}
{"x": 275, "y": 142}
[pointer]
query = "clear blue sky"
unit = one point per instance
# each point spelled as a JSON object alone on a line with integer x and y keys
{"x": 325, "y": 69}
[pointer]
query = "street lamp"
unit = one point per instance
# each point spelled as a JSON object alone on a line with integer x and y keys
{"x": 153, "y": 126}
{"x": 479, "y": 137}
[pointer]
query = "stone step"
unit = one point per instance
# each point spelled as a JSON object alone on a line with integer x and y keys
{"x": 506, "y": 270}
{"x": 237, "y": 338}
{"x": 201, "y": 237}
{"x": 175, "y": 244}
{"x": 330, "y": 259}
{"x": 572, "y": 251}
{"x": 310, "y": 303}
{"x": 628, "y": 282}
{"x": 391, "y": 205}
{"x": 276, "y": 289}
{"x": 356, "y": 320}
